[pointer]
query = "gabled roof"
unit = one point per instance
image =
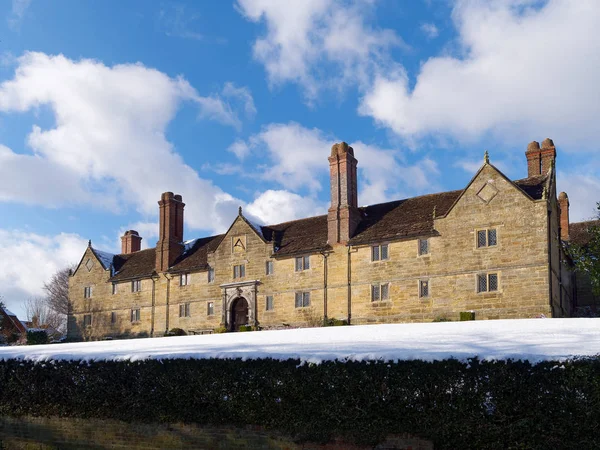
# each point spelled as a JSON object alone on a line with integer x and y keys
{"x": 399, "y": 219}
{"x": 579, "y": 232}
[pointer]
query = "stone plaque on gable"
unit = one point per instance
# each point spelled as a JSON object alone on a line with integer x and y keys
{"x": 239, "y": 244}
{"x": 487, "y": 193}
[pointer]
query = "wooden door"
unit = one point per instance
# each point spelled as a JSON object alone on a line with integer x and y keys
{"x": 239, "y": 313}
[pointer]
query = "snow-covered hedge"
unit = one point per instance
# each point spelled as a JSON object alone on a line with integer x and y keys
{"x": 457, "y": 404}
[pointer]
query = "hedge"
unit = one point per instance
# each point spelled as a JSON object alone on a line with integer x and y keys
{"x": 473, "y": 404}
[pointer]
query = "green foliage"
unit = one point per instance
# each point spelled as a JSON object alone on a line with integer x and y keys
{"x": 467, "y": 315}
{"x": 587, "y": 257}
{"x": 336, "y": 322}
{"x": 474, "y": 404}
{"x": 176, "y": 332}
{"x": 36, "y": 337}
{"x": 245, "y": 328}
{"x": 220, "y": 330}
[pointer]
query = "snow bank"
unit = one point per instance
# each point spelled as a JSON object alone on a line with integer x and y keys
{"x": 532, "y": 339}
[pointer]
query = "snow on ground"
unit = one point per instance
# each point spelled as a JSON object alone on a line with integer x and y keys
{"x": 532, "y": 339}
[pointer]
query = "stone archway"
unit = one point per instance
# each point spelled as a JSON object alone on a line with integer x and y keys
{"x": 239, "y": 313}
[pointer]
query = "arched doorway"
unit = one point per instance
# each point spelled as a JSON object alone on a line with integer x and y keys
{"x": 239, "y": 313}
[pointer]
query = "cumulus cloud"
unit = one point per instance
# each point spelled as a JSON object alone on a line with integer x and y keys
{"x": 276, "y": 206}
{"x": 524, "y": 68}
{"x": 318, "y": 43}
{"x": 108, "y": 146}
{"x": 298, "y": 161}
{"x": 430, "y": 30}
{"x": 27, "y": 260}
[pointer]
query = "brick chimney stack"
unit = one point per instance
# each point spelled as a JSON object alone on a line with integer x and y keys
{"x": 539, "y": 160}
{"x": 563, "y": 202}
{"x": 131, "y": 242}
{"x": 170, "y": 237}
{"x": 343, "y": 215}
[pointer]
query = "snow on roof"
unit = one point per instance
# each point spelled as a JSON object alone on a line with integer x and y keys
{"x": 531, "y": 339}
{"x": 187, "y": 245}
{"x": 9, "y": 313}
{"x": 105, "y": 258}
{"x": 257, "y": 228}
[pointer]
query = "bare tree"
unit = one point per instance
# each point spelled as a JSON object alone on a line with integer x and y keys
{"x": 41, "y": 316}
{"x": 57, "y": 295}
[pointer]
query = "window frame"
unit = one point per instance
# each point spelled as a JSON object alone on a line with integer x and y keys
{"x": 427, "y": 251}
{"x": 113, "y": 317}
{"x": 269, "y": 301}
{"x": 210, "y": 276}
{"x": 184, "y": 310}
{"x": 304, "y": 297}
{"x": 136, "y": 285}
{"x": 184, "y": 279}
{"x": 136, "y": 315}
{"x": 302, "y": 263}
{"x": 379, "y": 288}
{"x": 487, "y": 232}
{"x": 379, "y": 248}
{"x": 115, "y": 288}
{"x": 87, "y": 320}
{"x": 425, "y": 282}
{"x": 210, "y": 308}
{"x": 239, "y": 271}
{"x": 487, "y": 279}
{"x": 87, "y": 292}
{"x": 269, "y": 268}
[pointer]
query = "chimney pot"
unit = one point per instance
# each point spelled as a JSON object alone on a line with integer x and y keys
{"x": 547, "y": 143}
{"x": 563, "y": 203}
{"x": 533, "y": 146}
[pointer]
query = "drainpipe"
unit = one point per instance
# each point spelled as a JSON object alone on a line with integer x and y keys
{"x": 325, "y": 255}
{"x": 349, "y": 287}
{"x": 154, "y": 279}
{"x": 168, "y": 293}
{"x": 255, "y": 305}
{"x": 548, "y": 226}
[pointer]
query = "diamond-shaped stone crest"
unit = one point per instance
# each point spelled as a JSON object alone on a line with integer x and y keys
{"x": 487, "y": 193}
{"x": 89, "y": 264}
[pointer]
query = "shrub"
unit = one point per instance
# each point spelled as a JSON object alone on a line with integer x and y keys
{"x": 467, "y": 315}
{"x": 336, "y": 322}
{"x": 36, "y": 337}
{"x": 458, "y": 405}
{"x": 245, "y": 328}
{"x": 220, "y": 330}
{"x": 176, "y": 332}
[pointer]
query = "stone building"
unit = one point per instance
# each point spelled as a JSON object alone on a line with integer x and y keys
{"x": 493, "y": 248}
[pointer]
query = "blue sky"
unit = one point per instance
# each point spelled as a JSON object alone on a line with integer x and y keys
{"x": 104, "y": 105}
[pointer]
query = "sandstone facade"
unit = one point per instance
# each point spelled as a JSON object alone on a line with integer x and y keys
{"x": 493, "y": 248}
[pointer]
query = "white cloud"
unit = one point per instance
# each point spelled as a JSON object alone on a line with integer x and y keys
{"x": 240, "y": 149}
{"x": 583, "y": 190}
{"x": 276, "y": 206}
{"x": 27, "y": 260}
{"x": 298, "y": 160}
{"x": 298, "y": 155}
{"x": 303, "y": 35}
{"x": 108, "y": 147}
{"x": 430, "y": 30}
{"x": 19, "y": 7}
{"x": 526, "y": 69}
{"x": 242, "y": 94}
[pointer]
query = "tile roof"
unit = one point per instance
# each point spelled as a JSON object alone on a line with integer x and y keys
{"x": 579, "y": 232}
{"x": 385, "y": 221}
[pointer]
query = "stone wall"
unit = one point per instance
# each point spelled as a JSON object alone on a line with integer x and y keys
{"x": 520, "y": 259}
